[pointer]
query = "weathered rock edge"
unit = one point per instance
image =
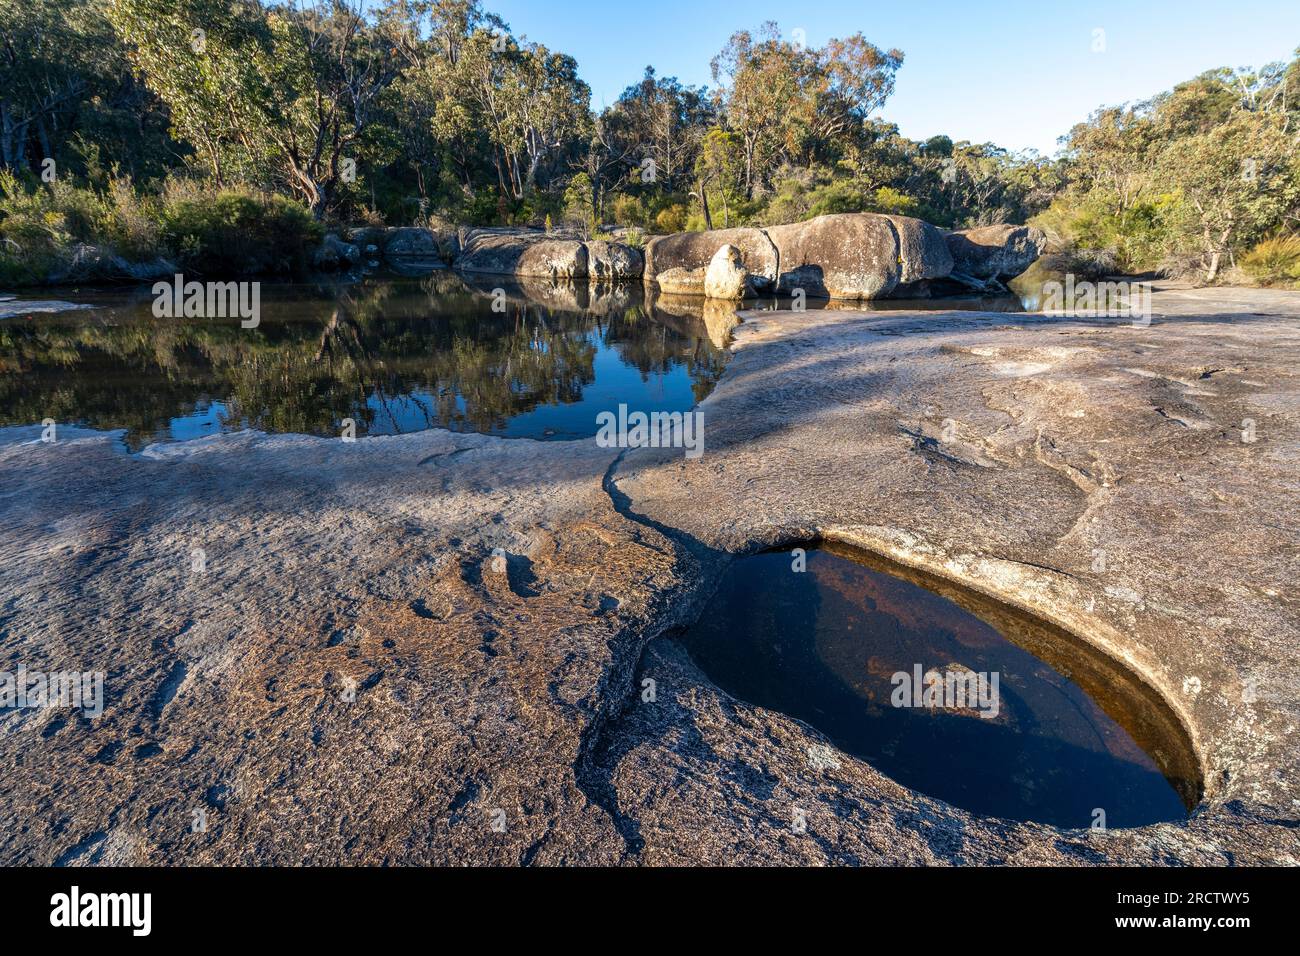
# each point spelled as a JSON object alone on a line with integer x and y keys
{"x": 520, "y": 689}
{"x": 848, "y": 257}
{"x": 851, "y": 256}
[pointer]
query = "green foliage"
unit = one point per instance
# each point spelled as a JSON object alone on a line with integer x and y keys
{"x": 579, "y": 207}
{"x": 404, "y": 111}
{"x": 1274, "y": 261}
{"x": 236, "y": 232}
{"x": 1138, "y": 235}
{"x": 672, "y": 218}
{"x": 67, "y": 95}
{"x": 229, "y": 232}
{"x": 845, "y": 195}
{"x": 855, "y": 195}
{"x": 1188, "y": 179}
{"x": 789, "y": 103}
{"x": 41, "y": 224}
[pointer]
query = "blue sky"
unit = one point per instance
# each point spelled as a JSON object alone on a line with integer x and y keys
{"x": 1015, "y": 73}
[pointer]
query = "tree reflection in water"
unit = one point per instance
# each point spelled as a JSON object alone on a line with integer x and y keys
{"x": 393, "y": 355}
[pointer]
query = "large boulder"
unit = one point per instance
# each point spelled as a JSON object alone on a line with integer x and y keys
{"x": 847, "y": 256}
{"x": 334, "y": 253}
{"x": 533, "y": 255}
{"x": 613, "y": 261}
{"x": 726, "y": 278}
{"x": 922, "y": 250}
{"x": 414, "y": 242}
{"x": 678, "y": 264}
{"x": 995, "y": 252}
{"x": 366, "y": 236}
{"x": 91, "y": 263}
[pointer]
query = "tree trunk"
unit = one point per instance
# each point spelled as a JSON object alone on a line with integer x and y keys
{"x": 1216, "y": 252}
{"x": 6, "y": 137}
{"x": 46, "y": 152}
{"x": 1213, "y": 272}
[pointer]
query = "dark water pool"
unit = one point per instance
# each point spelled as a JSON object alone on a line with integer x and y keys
{"x": 394, "y": 355}
{"x": 836, "y": 645}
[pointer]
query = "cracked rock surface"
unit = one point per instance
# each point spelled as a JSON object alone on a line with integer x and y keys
{"x": 431, "y": 648}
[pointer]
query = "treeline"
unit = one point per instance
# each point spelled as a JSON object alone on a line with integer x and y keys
{"x": 426, "y": 111}
{"x": 1191, "y": 180}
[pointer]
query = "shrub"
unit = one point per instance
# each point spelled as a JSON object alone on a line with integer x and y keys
{"x": 39, "y": 226}
{"x": 578, "y": 208}
{"x": 629, "y": 210}
{"x": 674, "y": 218}
{"x": 44, "y": 228}
{"x": 236, "y": 232}
{"x": 844, "y": 195}
{"x": 891, "y": 202}
{"x": 1274, "y": 261}
{"x": 130, "y": 224}
{"x": 790, "y": 203}
{"x": 1142, "y": 236}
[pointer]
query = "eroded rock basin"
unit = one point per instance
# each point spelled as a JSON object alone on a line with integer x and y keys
{"x": 936, "y": 686}
{"x": 1096, "y": 476}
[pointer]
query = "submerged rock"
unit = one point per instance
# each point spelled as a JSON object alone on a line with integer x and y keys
{"x": 11, "y": 306}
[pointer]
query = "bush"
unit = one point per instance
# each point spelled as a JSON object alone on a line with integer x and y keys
{"x": 844, "y": 195}
{"x": 1274, "y": 261}
{"x": 237, "y": 232}
{"x": 891, "y": 202}
{"x": 629, "y": 210}
{"x": 45, "y": 228}
{"x": 790, "y": 202}
{"x": 130, "y": 225}
{"x": 672, "y": 219}
{"x": 578, "y": 209}
{"x": 40, "y": 225}
{"x": 1142, "y": 237}
{"x": 852, "y": 195}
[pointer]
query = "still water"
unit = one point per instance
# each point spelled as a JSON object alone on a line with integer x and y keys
{"x": 1061, "y": 735}
{"x": 395, "y": 355}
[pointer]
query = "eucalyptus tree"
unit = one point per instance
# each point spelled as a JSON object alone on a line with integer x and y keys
{"x": 280, "y": 95}
{"x": 791, "y": 102}
{"x": 529, "y": 101}
{"x": 662, "y": 121}
{"x": 58, "y": 61}
{"x": 1235, "y": 170}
